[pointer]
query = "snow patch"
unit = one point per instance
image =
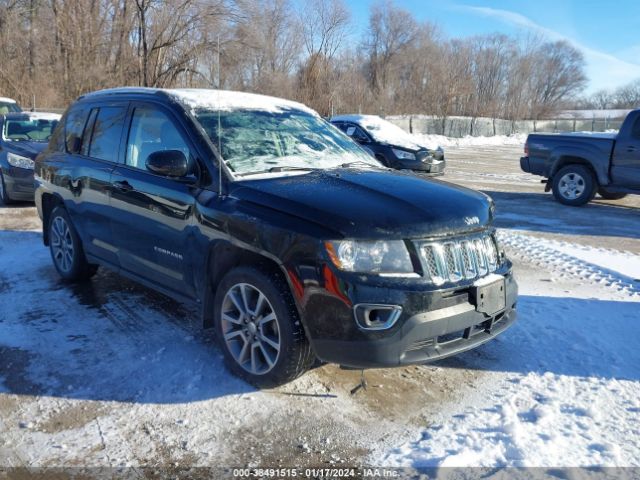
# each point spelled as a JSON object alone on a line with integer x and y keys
{"x": 226, "y": 100}
{"x": 563, "y": 382}
{"x": 612, "y": 268}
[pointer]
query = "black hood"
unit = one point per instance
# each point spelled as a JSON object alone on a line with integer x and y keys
{"x": 372, "y": 204}
{"x": 27, "y": 149}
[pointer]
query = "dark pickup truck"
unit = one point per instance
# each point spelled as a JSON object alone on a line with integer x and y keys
{"x": 578, "y": 166}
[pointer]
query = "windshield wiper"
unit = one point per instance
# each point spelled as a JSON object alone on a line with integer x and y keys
{"x": 357, "y": 163}
{"x": 286, "y": 168}
{"x": 283, "y": 168}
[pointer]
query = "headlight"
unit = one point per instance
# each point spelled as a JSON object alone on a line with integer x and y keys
{"x": 19, "y": 161}
{"x": 383, "y": 257}
{"x": 403, "y": 154}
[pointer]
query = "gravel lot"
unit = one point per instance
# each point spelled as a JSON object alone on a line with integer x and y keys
{"x": 112, "y": 374}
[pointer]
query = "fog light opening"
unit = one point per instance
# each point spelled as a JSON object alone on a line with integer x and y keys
{"x": 376, "y": 317}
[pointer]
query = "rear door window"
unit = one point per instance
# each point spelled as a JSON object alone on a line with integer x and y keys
{"x": 107, "y": 133}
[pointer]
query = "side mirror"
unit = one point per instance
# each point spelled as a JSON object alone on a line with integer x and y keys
{"x": 75, "y": 144}
{"x": 169, "y": 163}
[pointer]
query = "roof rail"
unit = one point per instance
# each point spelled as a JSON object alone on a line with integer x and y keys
{"x": 121, "y": 90}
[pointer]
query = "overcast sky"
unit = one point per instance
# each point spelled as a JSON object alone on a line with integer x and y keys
{"x": 607, "y": 33}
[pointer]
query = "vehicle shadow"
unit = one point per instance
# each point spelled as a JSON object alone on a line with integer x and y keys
{"x": 540, "y": 212}
{"x": 108, "y": 339}
{"x": 16, "y": 204}
{"x": 564, "y": 336}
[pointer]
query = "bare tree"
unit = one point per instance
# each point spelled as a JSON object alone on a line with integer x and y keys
{"x": 559, "y": 74}
{"x": 391, "y": 32}
{"x": 628, "y": 96}
{"x": 270, "y": 41}
{"x": 55, "y": 50}
{"x": 324, "y": 26}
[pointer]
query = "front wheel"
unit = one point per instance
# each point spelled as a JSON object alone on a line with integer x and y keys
{"x": 607, "y": 195}
{"x": 66, "y": 248}
{"x": 574, "y": 185}
{"x": 258, "y": 328}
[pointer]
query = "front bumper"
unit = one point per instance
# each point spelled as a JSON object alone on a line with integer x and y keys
{"x": 433, "y": 325}
{"x": 436, "y": 168}
{"x": 19, "y": 183}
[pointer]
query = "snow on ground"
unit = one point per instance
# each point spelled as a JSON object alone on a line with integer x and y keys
{"x": 565, "y": 383}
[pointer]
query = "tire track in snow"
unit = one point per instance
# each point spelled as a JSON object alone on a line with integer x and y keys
{"x": 552, "y": 255}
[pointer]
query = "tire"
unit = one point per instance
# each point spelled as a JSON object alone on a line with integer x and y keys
{"x": 264, "y": 353}
{"x": 610, "y": 195}
{"x": 66, "y": 248}
{"x": 4, "y": 196}
{"x": 574, "y": 185}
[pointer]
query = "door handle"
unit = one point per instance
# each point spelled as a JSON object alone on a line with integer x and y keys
{"x": 123, "y": 186}
{"x": 631, "y": 149}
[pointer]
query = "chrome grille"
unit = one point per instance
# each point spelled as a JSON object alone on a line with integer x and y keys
{"x": 462, "y": 259}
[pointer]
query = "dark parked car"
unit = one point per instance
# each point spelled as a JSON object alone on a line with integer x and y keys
{"x": 22, "y": 137}
{"x": 294, "y": 243}
{"x": 8, "y": 105}
{"x": 391, "y": 145}
{"x": 579, "y": 165}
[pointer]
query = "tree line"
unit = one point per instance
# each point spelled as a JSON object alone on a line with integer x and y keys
{"x": 624, "y": 97}
{"x": 55, "y": 50}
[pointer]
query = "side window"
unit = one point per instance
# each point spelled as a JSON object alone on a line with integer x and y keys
{"x": 356, "y": 133}
{"x": 57, "y": 141}
{"x": 107, "y": 130}
{"x": 152, "y": 131}
{"x": 74, "y": 126}
{"x": 635, "y": 131}
{"x": 84, "y": 150}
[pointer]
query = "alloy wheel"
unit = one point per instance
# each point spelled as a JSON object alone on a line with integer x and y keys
{"x": 250, "y": 329}
{"x": 62, "y": 244}
{"x": 571, "y": 186}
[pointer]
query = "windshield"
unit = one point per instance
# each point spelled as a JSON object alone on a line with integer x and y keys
{"x": 31, "y": 130}
{"x": 9, "y": 107}
{"x": 261, "y": 141}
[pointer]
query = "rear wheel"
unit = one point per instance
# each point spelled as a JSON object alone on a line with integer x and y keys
{"x": 66, "y": 248}
{"x": 258, "y": 328}
{"x": 4, "y": 196}
{"x": 574, "y": 185}
{"x": 607, "y": 195}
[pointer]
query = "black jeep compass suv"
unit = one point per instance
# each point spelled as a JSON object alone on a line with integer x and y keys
{"x": 293, "y": 241}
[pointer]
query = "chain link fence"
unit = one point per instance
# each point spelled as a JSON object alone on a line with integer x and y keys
{"x": 458, "y": 127}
